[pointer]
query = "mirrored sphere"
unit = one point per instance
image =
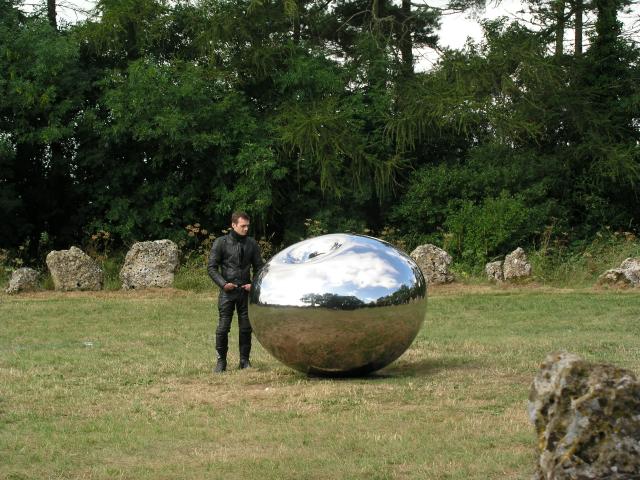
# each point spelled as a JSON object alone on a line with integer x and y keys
{"x": 338, "y": 304}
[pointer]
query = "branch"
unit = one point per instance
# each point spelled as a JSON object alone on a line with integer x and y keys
{"x": 444, "y": 11}
{"x": 346, "y": 22}
{"x": 74, "y": 8}
{"x": 321, "y": 7}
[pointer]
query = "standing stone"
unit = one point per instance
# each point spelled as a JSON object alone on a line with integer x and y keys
{"x": 74, "y": 270}
{"x": 587, "y": 418}
{"x": 23, "y": 280}
{"x": 516, "y": 265}
{"x": 150, "y": 264}
{"x": 628, "y": 274}
{"x": 434, "y": 263}
{"x": 494, "y": 271}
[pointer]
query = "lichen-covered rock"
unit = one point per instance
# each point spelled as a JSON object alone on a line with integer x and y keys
{"x": 23, "y": 280}
{"x": 587, "y": 418}
{"x": 74, "y": 270}
{"x": 494, "y": 271}
{"x": 150, "y": 264}
{"x": 434, "y": 263}
{"x": 627, "y": 274}
{"x": 516, "y": 266}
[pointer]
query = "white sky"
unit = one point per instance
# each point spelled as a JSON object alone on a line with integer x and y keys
{"x": 456, "y": 28}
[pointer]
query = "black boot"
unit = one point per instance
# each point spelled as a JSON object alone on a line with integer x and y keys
{"x": 221, "y": 365}
{"x": 222, "y": 341}
{"x": 245, "y": 349}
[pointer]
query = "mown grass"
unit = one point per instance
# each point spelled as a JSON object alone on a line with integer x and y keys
{"x": 119, "y": 385}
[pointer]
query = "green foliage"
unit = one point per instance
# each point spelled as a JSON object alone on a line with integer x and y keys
{"x": 192, "y": 276}
{"x": 152, "y": 116}
{"x": 482, "y": 207}
{"x": 192, "y": 135}
{"x": 560, "y": 261}
{"x": 5, "y": 269}
{"x": 314, "y": 228}
{"x": 42, "y": 89}
{"x": 474, "y": 233}
{"x": 256, "y": 170}
{"x": 504, "y": 116}
{"x": 111, "y": 267}
{"x": 336, "y": 129}
{"x": 126, "y": 30}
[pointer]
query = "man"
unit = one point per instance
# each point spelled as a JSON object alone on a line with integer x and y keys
{"x": 230, "y": 259}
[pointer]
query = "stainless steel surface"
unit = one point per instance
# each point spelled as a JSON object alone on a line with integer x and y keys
{"x": 338, "y": 304}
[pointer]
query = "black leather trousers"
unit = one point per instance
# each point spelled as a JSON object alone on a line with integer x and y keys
{"x": 228, "y": 302}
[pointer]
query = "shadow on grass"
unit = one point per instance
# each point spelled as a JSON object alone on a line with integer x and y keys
{"x": 426, "y": 367}
{"x": 406, "y": 369}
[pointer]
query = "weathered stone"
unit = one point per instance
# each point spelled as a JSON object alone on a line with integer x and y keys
{"x": 516, "y": 266}
{"x": 494, "y": 271}
{"x": 627, "y": 274}
{"x": 23, "y": 280}
{"x": 74, "y": 270}
{"x": 434, "y": 263}
{"x": 587, "y": 418}
{"x": 150, "y": 264}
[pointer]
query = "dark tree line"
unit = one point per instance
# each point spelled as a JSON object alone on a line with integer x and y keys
{"x": 153, "y": 115}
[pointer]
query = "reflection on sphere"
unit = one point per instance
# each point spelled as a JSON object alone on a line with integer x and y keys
{"x": 338, "y": 304}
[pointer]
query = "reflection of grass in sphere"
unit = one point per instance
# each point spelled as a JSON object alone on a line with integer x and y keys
{"x": 318, "y": 340}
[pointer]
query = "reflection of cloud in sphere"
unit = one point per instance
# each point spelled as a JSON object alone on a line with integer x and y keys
{"x": 356, "y": 273}
{"x": 338, "y": 304}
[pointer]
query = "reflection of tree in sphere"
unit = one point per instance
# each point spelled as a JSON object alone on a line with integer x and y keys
{"x": 338, "y": 304}
{"x": 331, "y": 300}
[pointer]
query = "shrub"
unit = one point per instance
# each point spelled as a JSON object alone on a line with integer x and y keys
{"x": 562, "y": 262}
{"x": 476, "y": 232}
{"x": 111, "y": 266}
{"x": 192, "y": 275}
{"x": 480, "y": 206}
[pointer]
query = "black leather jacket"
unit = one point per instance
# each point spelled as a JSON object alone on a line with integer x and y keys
{"x": 232, "y": 257}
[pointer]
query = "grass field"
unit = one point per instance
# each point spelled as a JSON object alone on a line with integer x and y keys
{"x": 118, "y": 385}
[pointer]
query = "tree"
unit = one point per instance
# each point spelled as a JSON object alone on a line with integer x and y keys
{"x": 552, "y": 142}
{"x": 42, "y": 92}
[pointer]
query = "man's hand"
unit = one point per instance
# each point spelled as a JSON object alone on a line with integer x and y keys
{"x": 247, "y": 287}
{"x": 229, "y": 287}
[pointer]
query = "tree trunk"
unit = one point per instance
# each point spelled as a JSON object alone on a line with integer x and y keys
{"x": 296, "y": 30}
{"x": 560, "y": 23}
{"x": 296, "y": 23}
{"x": 51, "y": 13}
{"x": 406, "y": 42}
{"x": 579, "y": 6}
{"x": 377, "y": 9}
{"x": 607, "y": 26}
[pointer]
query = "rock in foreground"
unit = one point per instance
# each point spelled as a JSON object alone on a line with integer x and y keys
{"x": 150, "y": 264}
{"x": 587, "y": 418}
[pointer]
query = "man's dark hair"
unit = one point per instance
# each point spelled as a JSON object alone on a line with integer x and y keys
{"x": 235, "y": 216}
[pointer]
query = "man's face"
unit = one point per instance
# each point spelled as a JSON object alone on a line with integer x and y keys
{"x": 242, "y": 227}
